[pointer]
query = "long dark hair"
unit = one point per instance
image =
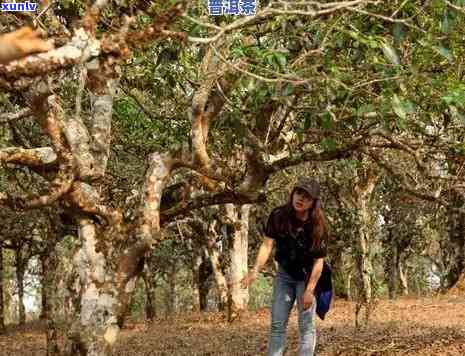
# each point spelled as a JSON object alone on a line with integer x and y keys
{"x": 320, "y": 229}
{"x": 318, "y": 221}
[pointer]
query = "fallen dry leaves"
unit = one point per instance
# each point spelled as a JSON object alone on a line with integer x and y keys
{"x": 430, "y": 326}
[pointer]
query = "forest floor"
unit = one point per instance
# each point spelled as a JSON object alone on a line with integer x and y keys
{"x": 428, "y": 326}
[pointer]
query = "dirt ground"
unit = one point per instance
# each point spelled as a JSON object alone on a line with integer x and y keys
{"x": 430, "y": 326}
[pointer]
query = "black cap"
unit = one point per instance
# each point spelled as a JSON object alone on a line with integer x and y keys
{"x": 310, "y": 185}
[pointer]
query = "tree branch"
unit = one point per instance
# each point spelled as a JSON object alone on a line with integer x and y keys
{"x": 34, "y": 157}
{"x": 84, "y": 46}
{"x": 319, "y": 9}
{"x": 288, "y": 112}
{"x": 156, "y": 177}
{"x": 402, "y": 179}
{"x": 100, "y": 130}
{"x": 339, "y": 153}
{"x": 78, "y": 139}
{"x": 211, "y": 199}
{"x": 84, "y": 197}
{"x": 65, "y": 176}
{"x": 21, "y": 114}
{"x": 455, "y": 7}
{"x": 200, "y": 121}
{"x": 396, "y": 143}
{"x": 80, "y": 49}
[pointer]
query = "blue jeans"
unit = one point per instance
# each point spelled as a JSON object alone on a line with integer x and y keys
{"x": 285, "y": 291}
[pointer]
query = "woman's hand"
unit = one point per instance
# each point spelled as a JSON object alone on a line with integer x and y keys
{"x": 263, "y": 253}
{"x": 308, "y": 299}
{"x": 248, "y": 280}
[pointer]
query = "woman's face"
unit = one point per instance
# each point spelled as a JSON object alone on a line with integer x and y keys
{"x": 301, "y": 200}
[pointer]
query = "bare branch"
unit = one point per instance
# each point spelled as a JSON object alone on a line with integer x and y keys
{"x": 65, "y": 176}
{"x": 35, "y": 157}
{"x": 257, "y": 172}
{"x": 80, "y": 49}
{"x": 287, "y": 112}
{"x": 84, "y": 46}
{"x": 139, "y": 104}
{"x": 87, "y": 199}
{"x": 339, "y": 153}
{"x": 209, "y": 200}
{"x": 207, "y": 172}
{"x": 455, "y": 7}
{"x": 207, "y": 103}
{"x": 20, "y": 43}
{"x": 23, "y": 113}
{"x": 204, "y": 24}
{"x": 280, "y": 77}
{"x": 80, "y": 90}
{"x": 402, "y": 179}
{"x": 385, "y": 18}
{"x": 362, "y": 84}
{"x": 396, "y": 143}
{"x": 78, "y": 139}
{"x": 200, "y": 122}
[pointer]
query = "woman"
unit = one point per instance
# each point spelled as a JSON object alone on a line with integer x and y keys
{"x": 299, "y": 231}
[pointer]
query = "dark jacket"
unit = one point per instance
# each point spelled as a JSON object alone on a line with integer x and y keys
{"x": 324, "y": 292}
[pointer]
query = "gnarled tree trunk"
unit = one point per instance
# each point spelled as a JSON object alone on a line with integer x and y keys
{"x": 196, "y": 282}
{"x": 2, "y": 306}
{"x": 96, "y": 329}
{"x": 205, "y": 271}
{"x": 150, "y": 295}
{"x": 391, "y": 267}
{"x": 340, "y": 275}
{"x": 50, "y": 305}
{"x": 220, "y": 279}
{"x": 171, "y": 302}
{"x": 363, "y": 245}
{"x": 239, "y": 296}
{"x": 454, "y": 246}
{"x": 403, "y": 278}
{"x": 20, "y": 270}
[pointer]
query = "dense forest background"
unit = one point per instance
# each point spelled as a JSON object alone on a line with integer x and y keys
{"x": 142, "y": 155}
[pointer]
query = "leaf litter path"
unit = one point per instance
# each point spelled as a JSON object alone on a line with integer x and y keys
{"x": 430, "y": 326}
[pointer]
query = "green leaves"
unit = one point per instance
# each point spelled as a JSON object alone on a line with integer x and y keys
{"x": 402, "y": 108}
{"x": 276, "y": 59}
{"x": 328, "y": 144}
{"x": 288, "y": 89}
{"x": 375, "y": 42}
{"x": 444, "y": 52}
{"x": 390, "y": 53}
{"x": 366, "y": 110}
{"x": 445, "y": 24}
{"x": 398, "y": 32}
{"x": 327, "y": 121}
{"x": 455, "y": 96}
{"x": 307, "y": 120}
{"x": 438, "y": 48}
